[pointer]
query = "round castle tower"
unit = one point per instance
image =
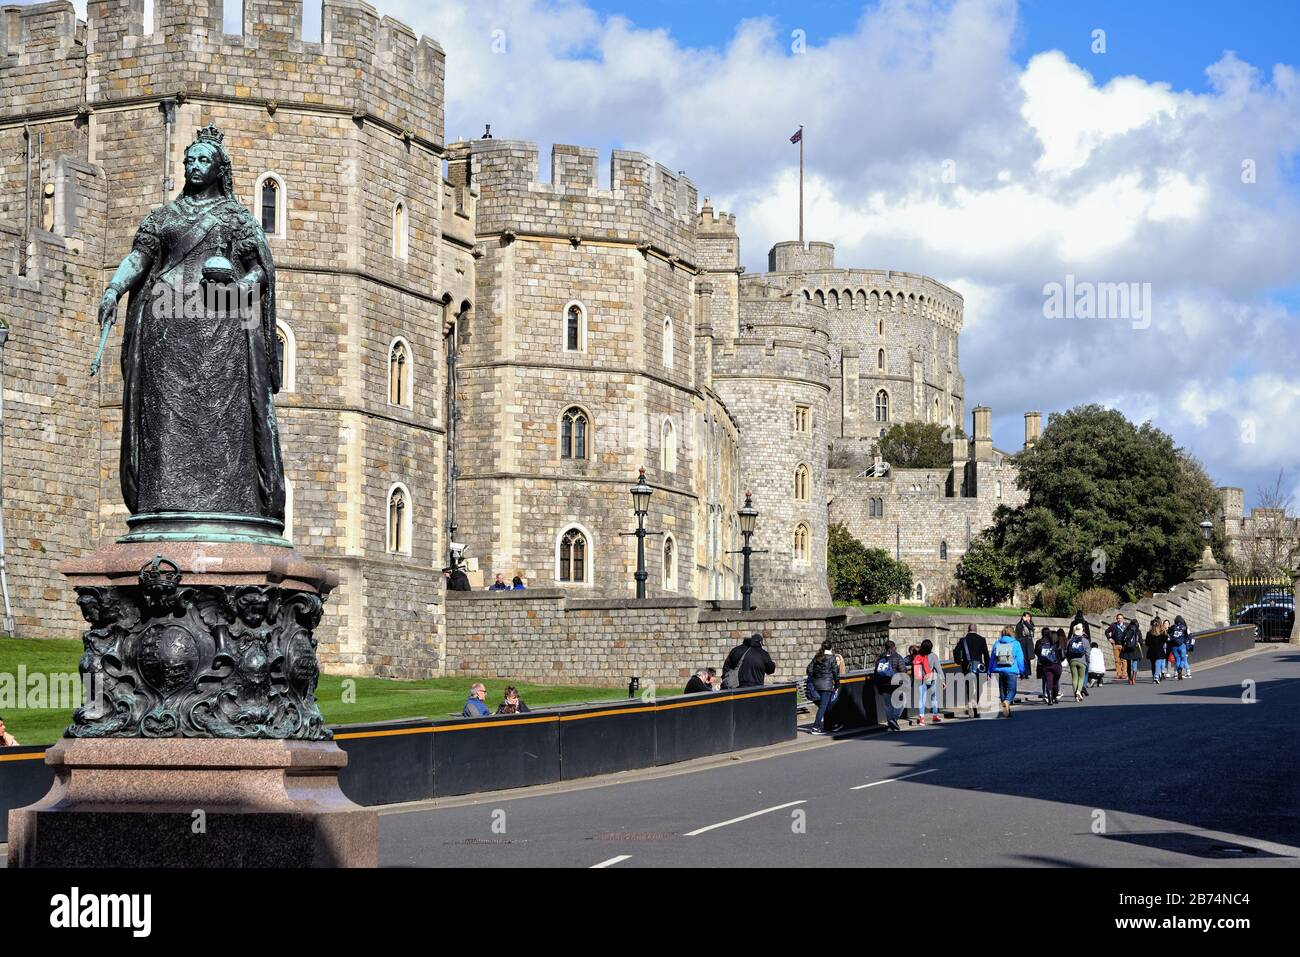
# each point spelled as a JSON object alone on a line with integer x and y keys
{"x": 775, "y": 377}
{"x": 894, "y": 343}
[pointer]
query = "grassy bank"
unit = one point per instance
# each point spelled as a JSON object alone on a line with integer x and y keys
{"x": 342, "y": 700}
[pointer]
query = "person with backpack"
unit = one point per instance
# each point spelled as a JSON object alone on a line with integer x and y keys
{"x": 1080, "y": 620}
{"x": 823, "y": 680}
{"x": 920, "y": 666}
{"x": 1048, "y": 654}
{"x": 1131, "y": 650}
{"x": 1156, "y": 650}
{"x": 1178, "y": 646}
{"x": 1115, "y": 635}
{"x": 1008, "y": 663}
{"x": 748, "y": 664}
{"x": 1077, "y": 648}
{"x": 938, "y": 681}
{"x": 972, "y": 656}
{"x": 888, "y": 667}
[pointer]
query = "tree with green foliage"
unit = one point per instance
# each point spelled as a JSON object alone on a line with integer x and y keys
{"x": 918, "y": 445}
{"x": 1111, "y": 505}
{"x": 987, "y": 571}
{"x": 864, "y": 575}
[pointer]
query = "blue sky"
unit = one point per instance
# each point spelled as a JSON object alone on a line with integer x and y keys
{"x": 981, "y": 142}
{"x": 1167, "y": 41}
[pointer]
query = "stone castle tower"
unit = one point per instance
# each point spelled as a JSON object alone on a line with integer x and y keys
{"x": 338, "y": 148}
{"x": 469, "y": 353}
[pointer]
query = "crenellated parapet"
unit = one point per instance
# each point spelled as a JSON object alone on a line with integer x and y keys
{"x": 645, "y": 202}
{"x": 364, "y": 65}
{"x": 42, "y": 60}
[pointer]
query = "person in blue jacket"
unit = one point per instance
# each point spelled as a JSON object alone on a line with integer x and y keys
{"x": 475, "y": 706}
{"x": 1007, "y": 661}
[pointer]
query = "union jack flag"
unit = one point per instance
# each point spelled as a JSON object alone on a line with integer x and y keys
{"x": 798, "y": 135}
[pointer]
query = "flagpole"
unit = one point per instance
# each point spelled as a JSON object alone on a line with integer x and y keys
{"x": 801, "y": 185}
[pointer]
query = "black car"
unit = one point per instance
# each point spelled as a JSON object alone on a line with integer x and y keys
{"x": 1272, "y": 622}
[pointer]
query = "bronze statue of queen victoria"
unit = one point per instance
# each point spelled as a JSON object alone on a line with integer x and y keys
{"x": 200, "y": 366}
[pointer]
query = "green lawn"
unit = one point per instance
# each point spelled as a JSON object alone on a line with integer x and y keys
{"x": 367, "y": 699}
{"x": 937, "y": 612}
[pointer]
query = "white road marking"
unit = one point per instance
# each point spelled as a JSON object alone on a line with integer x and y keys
{"x": 611, "y": 862}
{"x": 901, "y": 777}
{"x": 746, "y": 817}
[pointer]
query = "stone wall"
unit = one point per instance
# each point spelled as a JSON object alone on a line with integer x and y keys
{"x": 545, "y": 635}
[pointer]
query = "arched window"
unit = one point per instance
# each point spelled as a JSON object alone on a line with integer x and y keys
{"x": 937, "y": 410}
{"x": 943, "y": 551}
{"x": 668, "y": 342}
{"x": 801, "y": 542}
{"x": 882, "y": 406}
{"x": 401, "y": 229}
{"x": 668, "y": 446}
{"x": 920, "y": 592}
{"x": 670, "y": 563}
{"x": 834, "y": 299}
{"x": 880, "y": 360}
{"x": 572, "y": 558}
{"x": 270, "y": 201}
{"x": 575, "y": 327}
{"x": 574, "y": 428}
{"x": 399, "y": 373}
{"x": 287, "y": 355}
{"x": 876, "y": 507}
{"x": 399, "y": 520}
{"x": 821, "y": 298}
{"x": 801, "y": 483}
{"x": 999, "y": 488}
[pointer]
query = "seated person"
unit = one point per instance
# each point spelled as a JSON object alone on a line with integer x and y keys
{"x": 706, "y": 679}
{"x": 512, "y": 703}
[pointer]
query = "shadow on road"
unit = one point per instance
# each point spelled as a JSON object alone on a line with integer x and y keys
{"x": 1156, "y": 751}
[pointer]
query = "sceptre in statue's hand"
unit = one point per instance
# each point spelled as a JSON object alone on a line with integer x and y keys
{"x": 107, "y": 316}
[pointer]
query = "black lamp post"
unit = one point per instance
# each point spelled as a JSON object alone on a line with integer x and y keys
{"x": 748, "y": 517}
{"x": 641, "y": 506}
{"x": 1206, "y": 530}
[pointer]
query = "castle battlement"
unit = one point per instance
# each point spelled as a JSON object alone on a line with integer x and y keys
{"x": 42, "y": 59}
{"x": 644, "y": 199}
{"x": 363, "y": 64}
{"x": 717, "y": 223}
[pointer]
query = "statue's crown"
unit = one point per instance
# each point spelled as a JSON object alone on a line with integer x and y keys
{"x": 209, "y": 134}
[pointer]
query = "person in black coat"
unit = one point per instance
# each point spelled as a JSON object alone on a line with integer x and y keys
{"x": 1025, "y": 636}
{"x": 972, "y": 655}
{"x": 751, "y": 662}
{"x": 1157, "y": 649}
{"x": 702, "y": 680}
{"x": 1080, "y": 620}
{"x": 1049, "y": 654}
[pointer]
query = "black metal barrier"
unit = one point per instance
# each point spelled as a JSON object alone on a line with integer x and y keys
{"x": 391, "y": 762}
{"x": 24, "y": 779}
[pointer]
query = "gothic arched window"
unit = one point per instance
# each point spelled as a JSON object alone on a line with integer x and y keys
{"x": 399, "y": 373}
{"x": 573, "y": 434}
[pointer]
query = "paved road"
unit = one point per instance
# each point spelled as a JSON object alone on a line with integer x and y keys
{"x": 1180, "y": 774}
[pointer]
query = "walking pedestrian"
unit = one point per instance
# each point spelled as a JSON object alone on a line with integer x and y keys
{"x": 1080, "y": 620}
{"x": 972, "y": 656}
{"x": 1025, "y": 637}
{"x": 887, "y": 668}
{"x": 938, "y": 680}
{"x": 1076, "y": 653}
{"x": 748, "y": 664}
{"x": 1008, "y": 663}
{"x": 1048, "y": 653}
{"x": 915, "y": 708}
{"x": 1178, "y": 646}
{"x": 1115, "y": 635}
{"x": 1156, "y": 649}
{"x": 1132, "y": 650}
{"x": 824, "y": 676}
{"x": 927, "y": 676}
